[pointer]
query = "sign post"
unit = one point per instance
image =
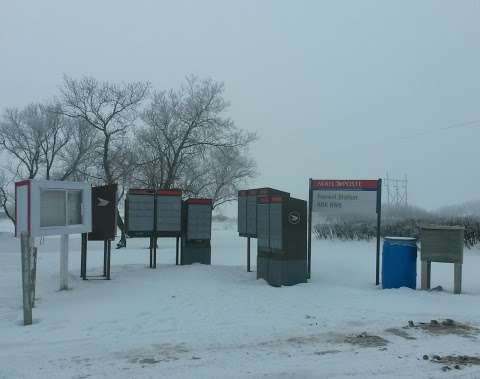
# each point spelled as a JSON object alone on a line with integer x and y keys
{"x": 345, "y": 199}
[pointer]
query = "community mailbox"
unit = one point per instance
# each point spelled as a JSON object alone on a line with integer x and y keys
{"x": 197, "y": 232}
{"x": 282, "y": 240}
{"x": 104, "y": 213}
{"x": 141, "y": 219}
{"x": 47, "y": 207}
{"x": 247, "y": 209}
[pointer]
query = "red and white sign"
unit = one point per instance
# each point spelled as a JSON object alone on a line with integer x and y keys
{"x": 334, "y": 198}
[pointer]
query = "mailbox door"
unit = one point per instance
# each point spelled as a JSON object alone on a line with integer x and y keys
{"x": 263, "y": 225}
{"x": 140, "y": 213}
{"x": 199, "y": 221}
{"x": 104, "y": 213}
{"x": 252, "y": 215}
{"x": 275, "y": 225}
{"x": 169, "y": 213}
{"x": 242, "y": 213}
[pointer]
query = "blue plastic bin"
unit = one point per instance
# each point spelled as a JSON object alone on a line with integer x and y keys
{"x": 399, "y": 262}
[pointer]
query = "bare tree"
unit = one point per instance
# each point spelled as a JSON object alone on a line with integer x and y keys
{"x": 6, "y": 199}
{"x": 186, "y": 128}
{"x": 21, "y": 135}
{"x": 109, "y": 109}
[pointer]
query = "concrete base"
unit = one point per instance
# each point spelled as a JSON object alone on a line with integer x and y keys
{"x": 286, "y": 272}
{"x": 262, "y": 266}
{"x": 195, "y": 254}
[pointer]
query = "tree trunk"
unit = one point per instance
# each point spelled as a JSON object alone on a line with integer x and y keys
{"x": 123, "y": 236}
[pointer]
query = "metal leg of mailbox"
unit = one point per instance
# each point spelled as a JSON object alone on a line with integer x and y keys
{"x": 151, "y": 253}
{"x": 105, "y": 252}
{"x": 83, "y": 255}
{"x": 248, "y": 254}
{"x": 457, "y": 278}
{"x": 176, "y": 252}
{"x": 109, "y": 254}
{"x": 155, "y": 252}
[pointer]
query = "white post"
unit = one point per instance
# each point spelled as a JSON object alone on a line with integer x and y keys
{"x": 64, "y": 262}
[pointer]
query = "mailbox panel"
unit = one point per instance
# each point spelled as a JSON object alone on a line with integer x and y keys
{"x": 275, "y": 225}
{"x": 199, "y": 220}
{"x": 104, "y": 213}
{"x": 252, "y": 214}
{"x": 140, "y": 215}
{"x": 169, "y": 213}
{"x": 263, "y": 213}
{"x": 242, "y": 213}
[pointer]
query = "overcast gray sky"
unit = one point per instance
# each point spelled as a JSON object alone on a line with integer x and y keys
{"x": 338, "y": 89}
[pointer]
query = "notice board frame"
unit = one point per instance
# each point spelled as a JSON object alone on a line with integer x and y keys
{"x": 344, "y": 184}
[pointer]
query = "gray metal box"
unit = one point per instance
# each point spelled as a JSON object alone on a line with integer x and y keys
{"x": 442, "y": 243}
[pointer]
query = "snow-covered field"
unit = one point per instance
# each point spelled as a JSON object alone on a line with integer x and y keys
{"x": 220, "y": 322}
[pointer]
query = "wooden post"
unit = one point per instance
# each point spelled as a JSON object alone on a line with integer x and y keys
{"x": 457, "y": 278}
{"x": 426, "y": 273}
{"x": 64, "y": 262}
{"x": 26, "y": 248}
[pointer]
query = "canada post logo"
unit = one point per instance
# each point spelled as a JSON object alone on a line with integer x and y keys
{"x": 294, "y": 217}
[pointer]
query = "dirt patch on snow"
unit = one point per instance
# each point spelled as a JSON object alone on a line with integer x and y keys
{"x": 366, "y": 340}
{"x": 400, "y": 332}
{"x": 456, "y": 362}
{"x": 445, "y": 327}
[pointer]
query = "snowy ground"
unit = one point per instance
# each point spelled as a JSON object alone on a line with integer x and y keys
{"x": 219, "y": 321}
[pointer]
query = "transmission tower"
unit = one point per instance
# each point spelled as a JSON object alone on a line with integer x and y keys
{"x": 397, "y": 191}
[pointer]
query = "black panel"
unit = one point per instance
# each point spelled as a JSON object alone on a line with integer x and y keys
{"x": 104, "y": 213}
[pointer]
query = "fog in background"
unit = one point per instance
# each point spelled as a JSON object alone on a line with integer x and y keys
{"x": 339, "y": 89}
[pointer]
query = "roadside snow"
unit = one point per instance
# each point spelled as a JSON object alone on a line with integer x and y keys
{"x": 219, "y": 321}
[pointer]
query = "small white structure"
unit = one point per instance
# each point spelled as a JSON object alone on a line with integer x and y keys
{"x": 46, "y": 207}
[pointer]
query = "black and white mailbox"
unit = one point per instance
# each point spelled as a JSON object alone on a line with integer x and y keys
{"x": 197, "y": 231}
{"x": 282, "y": 240}
{"x": 104, "y": 228}
{"x": 154, "y": 214}
{"x": 247, "y": 213}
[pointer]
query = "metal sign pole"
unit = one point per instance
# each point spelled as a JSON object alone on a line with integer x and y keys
{"x": 155, "y": 228}
{"x": 248, "y": 254}
{"x": 309, "y": 242}
{"x": 379, "y": 216}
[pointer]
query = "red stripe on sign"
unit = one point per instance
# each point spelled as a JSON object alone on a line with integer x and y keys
{"x": 199, "y": 201}
{"x": 169, "y": 192}
{"x": 263, "y": 199}
{"x": 146, "y": 191}
{"x": 252, "y": 192}
{"x": 276, "y": 199}
{"x": 242, "y": 193}
{"x": 344, "y": 184}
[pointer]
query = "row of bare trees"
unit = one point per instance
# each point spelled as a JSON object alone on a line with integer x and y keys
{"x": 130, "y": 134}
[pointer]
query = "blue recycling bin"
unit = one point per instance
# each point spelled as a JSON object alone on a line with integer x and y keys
{"x": 399, "y": 262}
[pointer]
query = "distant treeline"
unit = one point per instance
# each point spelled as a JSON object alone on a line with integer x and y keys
{"x": 408, "y": 227}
